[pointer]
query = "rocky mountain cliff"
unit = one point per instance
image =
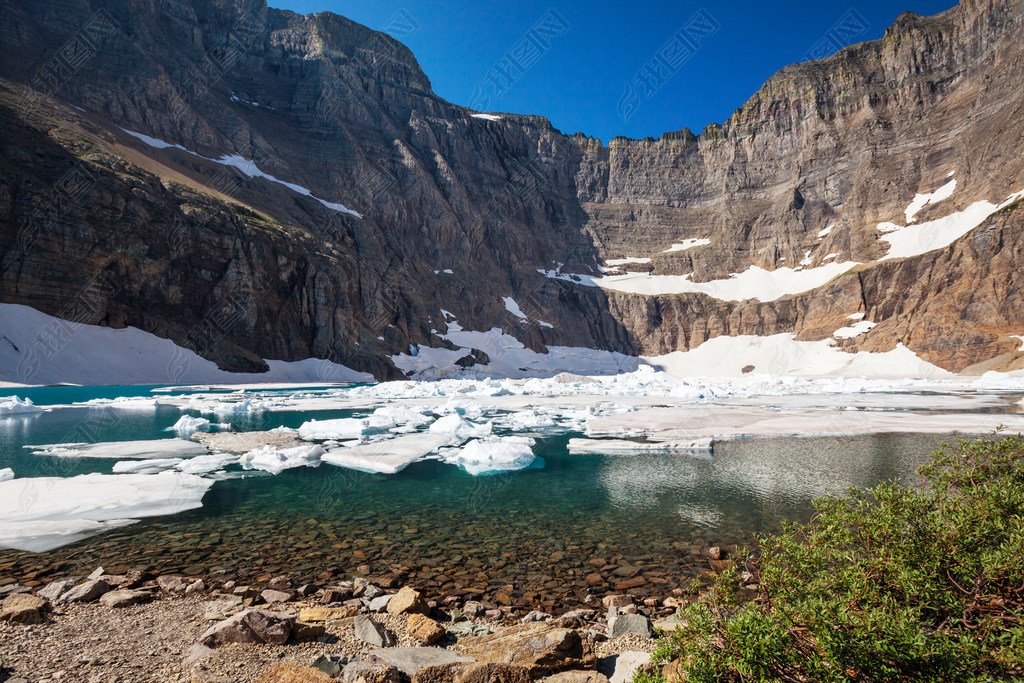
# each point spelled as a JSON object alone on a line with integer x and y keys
{"x": 252, "y": 183}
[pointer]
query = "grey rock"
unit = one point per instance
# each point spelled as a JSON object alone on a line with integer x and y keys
{"x": 53, "y": 590}
{"x": 372, "y": 633}
{"x": 86, "y": 592}
{"x": 250, "y": 626}
{"x": 96, "y": 573}
{"x": 473, "y": 609}
{"x": 274, "y": 597}
{"x": 125, "y": 598}
{"x": 582, "y": 614}
{"x": 370, "y": 592}
{"x": 535, "y": 616}
{"x": 372, "y": 669}
{"x": 332, "y": 665}
{"x": 621, "y": 668}
{"x": 24, "y": 609}
{"x": 196, "y": 653}
{"x": 629, "y": 623}
{"x": 379, "y": 604}
{"x": 223, "y": 608}
{"x": 466, "y": 629}
{"x": 197, "y": 586}
{"x": 409, "y": 660}
{"x": 170, "y": 583}
{"x": 13, "y": 588}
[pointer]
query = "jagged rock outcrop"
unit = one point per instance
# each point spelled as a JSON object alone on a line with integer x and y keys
{"x": 99, "y": 226}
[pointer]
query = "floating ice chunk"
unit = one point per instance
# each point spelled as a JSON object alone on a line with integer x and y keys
{"x": 204, "y": 464}
{"x": 120, "y": 450}
{"x": 188, "y": 425}
{"x": 686, "y": 244}
{"x": 344, "y": 428}
{"x": 922, "y": 200}
{"x": 275, "y": 461}
{"x": 6, "y": 474}
{"x": 622, "y": 446}
{"x": 495, "y": 455}
{"x": 528, "y": 419}
{"x": 512, "y": 307}
{"x": 122, "y": 403}
{"x": 386, "y": 457}
{"x": 458, "y": 427}
{"x": 402, "y": 416}
{"x": 42, "y": 513}
{"x": 854, "y": 330}
{"x": 150, "y": 466}
{"x": 17, "y": 406}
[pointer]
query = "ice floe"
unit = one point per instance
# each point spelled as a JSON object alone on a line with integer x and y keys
{"x": 6, "y": 474}
{"x": 458, "y": 427}
{"x": 205, "y": 464}
{"x": 151, "y": 466}
{"x": 42, "y": 513}
{"x": 17, "y": 406}
{"x": 386, "y": 457}
{"x": 120, "y": 450}
{"x": 275, "y": 461}
{"x": 344, "y": 428}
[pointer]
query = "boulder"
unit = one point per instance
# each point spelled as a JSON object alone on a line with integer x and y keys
{"x": 24, "y": 608}
{"x": 409, "y": 660}
{"x": 629, "y": 623}
{"x": 251, "y": 626}
{"x": 290, "y": 672}
{"x": 53, "y": 590}
{"x": 621, "y": 668}
{"x": 372, "y": 633}
{"x": 407, "y": 601}
{"x": 332, "y": 665}
{"x": 541, "y": 647}
{"x": 327, "y": 613}
{"x": 125, "y": 598}
{"x": 424, "y": 629}
{"x": 306, "y": 632}
{"x": 87, "y": 592}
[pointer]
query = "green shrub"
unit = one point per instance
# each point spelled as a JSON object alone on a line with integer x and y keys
{"x": 895, "y": 584}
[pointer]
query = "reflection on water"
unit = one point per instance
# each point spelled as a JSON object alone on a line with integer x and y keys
{"x": 534, "y": 530}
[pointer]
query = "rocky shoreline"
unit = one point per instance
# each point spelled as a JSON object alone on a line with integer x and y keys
{"x": 137, "y": 626}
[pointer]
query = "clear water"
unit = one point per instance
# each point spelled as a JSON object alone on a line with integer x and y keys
{"x": 535, "y": 530}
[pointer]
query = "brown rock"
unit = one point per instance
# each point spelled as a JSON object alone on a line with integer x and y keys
{"x": 407, "y": 601}
{"x": 577, "y": 677}
{"x": 24, "y": 609}
{"x": 713, "y": 552}
{"x": 293, "y": 673}
{"x": 541, "y": 647}
{"x": 472, "y": 672}
{"x": 272, "y": 596}
{"x": 610, "y": 601}
{"x": 304, "y": 632}
{"x": 327, "y": 613}
{"x": 594, "y": 579}
{"x": 628, "y": 584}
{"x": 424, "y": 629}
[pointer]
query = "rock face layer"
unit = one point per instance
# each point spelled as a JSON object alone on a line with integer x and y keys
{"x": 294, "y": 189}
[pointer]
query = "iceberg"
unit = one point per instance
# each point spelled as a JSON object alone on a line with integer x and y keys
{"x": 6, "y": 474}
{"x": 459, "y": 427}
{"x": 17, "y": 406}
{"x": 187, "y": 425}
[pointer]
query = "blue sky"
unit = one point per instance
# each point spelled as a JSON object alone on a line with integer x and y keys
{"x": 615, "y": 68}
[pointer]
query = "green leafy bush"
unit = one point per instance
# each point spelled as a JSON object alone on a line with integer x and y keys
{"x": 895, "y": 584}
